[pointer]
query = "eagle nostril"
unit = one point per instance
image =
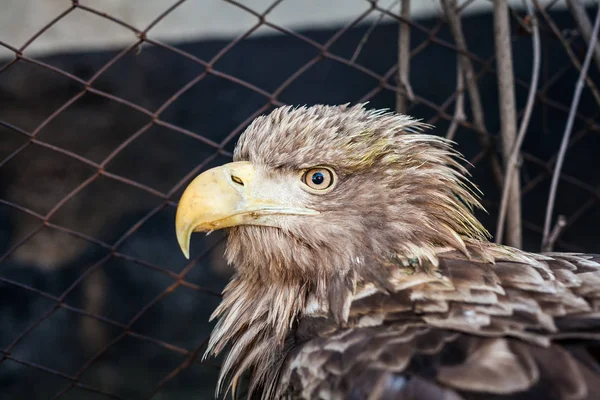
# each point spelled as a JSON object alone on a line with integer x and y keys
{"x": 237, "y": 180}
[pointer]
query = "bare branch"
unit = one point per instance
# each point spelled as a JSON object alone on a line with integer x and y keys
{"x": 405, "y": 95}
{"x": 512, "y": 165}
{"x": 508, "y": 118}
{"x": 561, "y": 223}
{"x": 568, "y": 49}
{"x": 568, "y": 129}
{"x": 369, "y": 31}
{"x": 365, "y": 38}
{"x": 459, "y": 106}
{"x": 453, "y": 16}
{"x": 585, "y": 26}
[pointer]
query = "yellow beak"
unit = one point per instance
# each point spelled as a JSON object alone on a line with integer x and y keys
{"x": 227, "y": 196}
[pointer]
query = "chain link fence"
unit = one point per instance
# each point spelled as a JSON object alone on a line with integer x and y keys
{"x": 96, "y": 147}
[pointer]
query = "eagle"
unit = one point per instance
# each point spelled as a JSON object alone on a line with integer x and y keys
{"x": 361, "y": 271}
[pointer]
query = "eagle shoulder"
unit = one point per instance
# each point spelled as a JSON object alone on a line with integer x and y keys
{"x": 520, "y": 327}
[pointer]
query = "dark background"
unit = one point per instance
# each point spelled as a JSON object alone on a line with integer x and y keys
{"x": 89, "y": 298}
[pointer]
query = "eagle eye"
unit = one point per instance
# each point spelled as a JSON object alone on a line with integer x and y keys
{"x": 318, "y": 179}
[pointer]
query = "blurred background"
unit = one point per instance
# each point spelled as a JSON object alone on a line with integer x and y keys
{"x": 109, "y": 108}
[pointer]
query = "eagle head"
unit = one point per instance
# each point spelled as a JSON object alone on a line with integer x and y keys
{"x": 319, "y": 191}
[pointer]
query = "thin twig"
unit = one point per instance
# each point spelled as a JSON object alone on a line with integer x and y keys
{"x": 568, "y": 49}
{"x": 561, "y": 223}
{"x": 512, "y": 165}
{"x": 459, "y": 105}
{"x": 568, "y": 129}
{"x": 464, "y": 5}
{"x": 585, "y": 26}
{"x": 405, "y": 95}
{"x": 454, "y": 21}
{"x": 365, "y": 38}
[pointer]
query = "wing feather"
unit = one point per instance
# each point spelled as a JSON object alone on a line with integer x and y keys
{"x": 480, "y": 331}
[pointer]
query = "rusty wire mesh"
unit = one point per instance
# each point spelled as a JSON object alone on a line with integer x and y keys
{"x": 51, "y": 223}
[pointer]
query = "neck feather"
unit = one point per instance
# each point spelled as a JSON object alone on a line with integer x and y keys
{"x": 257, "y": 318}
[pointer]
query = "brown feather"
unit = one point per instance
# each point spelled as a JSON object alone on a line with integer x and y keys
{"x": 505, "y": 353}
{"x": 392, "y": 290}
